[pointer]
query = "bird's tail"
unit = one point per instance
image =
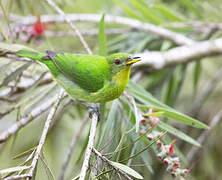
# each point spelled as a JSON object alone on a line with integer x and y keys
{"x": 31, "y": 54}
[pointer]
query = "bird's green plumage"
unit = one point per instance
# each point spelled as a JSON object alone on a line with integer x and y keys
{"x": 89, "y": 72}
{"x": 89, "y": 78}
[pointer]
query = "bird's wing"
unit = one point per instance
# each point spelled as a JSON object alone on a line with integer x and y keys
{"x": 90, "y": 72}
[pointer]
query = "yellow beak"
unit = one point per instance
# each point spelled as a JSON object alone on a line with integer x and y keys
{"x": 133, "y": 60}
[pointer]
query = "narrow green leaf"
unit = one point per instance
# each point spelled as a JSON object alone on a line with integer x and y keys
{"x": 49, "y": 173}
{"x": 165, "y": 11}
{"x": 15, "y": 74}
{"x": 171, "y": 86}
{"x": 191, "y": 6}
{"x": 178, "y": 133}
{"x": 109, "y": 124}
{"x": 150, "y": 143}
{"x": 197, "y": 74}
{"x": 25, "y": 153}
{"x": 13, "y": 47}
{"x": 148, "y": 12}
{"x": 159, "y": 113}
{"x": 137, "y": 116}
{"x": 102, "y": 173}
{"x": 143, "y": 96}
{"x": 102, "y": 37}
{"x": 127, "y": 170}
{"x": 84, "y": 146}
{"x": 146, "y": 157}
{"x": 179, "y": 117}
{"x": 127, "y": 10}
{"x": 146, "y": 97}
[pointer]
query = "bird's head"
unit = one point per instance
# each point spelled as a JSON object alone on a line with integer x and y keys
{"x": 121, "y": 61}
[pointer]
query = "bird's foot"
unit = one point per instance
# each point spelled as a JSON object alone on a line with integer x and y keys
{"x": 92, "y": 108}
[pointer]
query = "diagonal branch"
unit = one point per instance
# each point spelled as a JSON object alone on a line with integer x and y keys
{"x": 95, "y": 117}
{"x": 45, "y": 131}
{"x": 58, "y": 10}
{"x": 103, "y": 158}
{"x": 50, "y": 117}
{"x": 26, "y": 119}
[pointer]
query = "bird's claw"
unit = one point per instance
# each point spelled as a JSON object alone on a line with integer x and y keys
{"x": 94, "y": 109}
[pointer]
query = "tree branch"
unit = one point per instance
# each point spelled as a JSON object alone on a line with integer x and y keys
{"x": 21, "y": 176}
{"x": 50, "y": 117}
{"x": 58, "y": 10}
{"x": 162, "y": 32}
{"x": 26, "y": 119}
{"x": 103, "y": 158}
{"x": 95, "y": 117}
{"x": 181, "y": 54}
{"x": 45, "y": 131}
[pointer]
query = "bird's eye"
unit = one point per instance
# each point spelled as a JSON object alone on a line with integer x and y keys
{"x": 117, "y": 61}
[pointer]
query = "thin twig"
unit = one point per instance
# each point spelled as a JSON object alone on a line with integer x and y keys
{"x": 202, "y": 138}
{"x": 103, "y": 158}
{"x": 21, "y": 176}
{"x": 52, "y": 4}
{"x": 95, "y": 117}
{"x": 72, "y": 147}
{"x": 5, "y": 135}
{"x": 160, "y": 31}
{"x": 45, "y": 131}
{"x": 50, "y": 117}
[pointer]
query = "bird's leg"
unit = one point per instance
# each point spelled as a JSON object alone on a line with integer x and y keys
{"x": 92, "y": 108}
{"x": 89, "y": 106}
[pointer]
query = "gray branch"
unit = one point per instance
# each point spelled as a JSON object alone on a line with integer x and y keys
{"x": 26, "y": 119}
{"x": 181, "y": 54}
{"x": 160, "y": 31}
{"x": 95, "y": 117}
{"x": 103, "y": 158}
{"x": 67, "y": 19}
{"x": 45, "y": 131}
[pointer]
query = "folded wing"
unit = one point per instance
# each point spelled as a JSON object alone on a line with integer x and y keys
{"x": 90, "y": 72}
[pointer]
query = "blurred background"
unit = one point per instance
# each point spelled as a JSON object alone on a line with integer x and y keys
{"x": 193, "y": 88}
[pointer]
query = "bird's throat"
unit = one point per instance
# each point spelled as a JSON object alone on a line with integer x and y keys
{"x": 122, "y": 77}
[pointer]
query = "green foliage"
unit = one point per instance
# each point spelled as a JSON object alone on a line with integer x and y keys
{"x": 127, "y": 170}
{"x": 169, "y": 92}
{"x": 102, "y": 37}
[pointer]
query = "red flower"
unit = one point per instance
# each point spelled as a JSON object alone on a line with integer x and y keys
{"x": 38, "y": 28}
{"x": 170, "y": 152}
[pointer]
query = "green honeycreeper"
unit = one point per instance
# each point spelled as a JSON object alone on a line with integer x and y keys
{"x": 89, "y": 78}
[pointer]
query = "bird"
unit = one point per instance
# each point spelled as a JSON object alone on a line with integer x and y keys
{"x": 87, "y": 78}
